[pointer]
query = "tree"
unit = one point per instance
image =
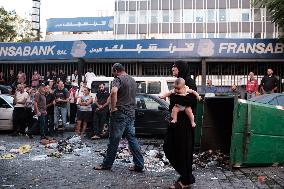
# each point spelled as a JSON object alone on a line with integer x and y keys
{"x": 13, "y": 28}
{"x": 275, "y": 8}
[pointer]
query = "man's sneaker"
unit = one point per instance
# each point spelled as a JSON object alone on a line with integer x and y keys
{"x": 136, "y": 169}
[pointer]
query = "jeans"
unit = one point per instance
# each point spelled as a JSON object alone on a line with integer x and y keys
{"x": 57, "y": 111}
{"x": 251, "y": 95}
{"x": 121, "y": 124}
{"x": 99, "y": 119}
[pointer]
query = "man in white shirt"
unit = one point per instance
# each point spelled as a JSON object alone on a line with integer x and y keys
{"x": 89, "y": 75}
{"x": 19, "y": 113}
{"x": 74, "y": 77}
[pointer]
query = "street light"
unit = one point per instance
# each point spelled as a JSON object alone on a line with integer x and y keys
{"x": 36, "y": 18}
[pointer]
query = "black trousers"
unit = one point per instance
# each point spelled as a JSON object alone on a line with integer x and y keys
{"x": 99, "y": 119}
{"x": 20, "y": 119}
{"x": 73, "y": 112}
{"x": 50, "y": 123}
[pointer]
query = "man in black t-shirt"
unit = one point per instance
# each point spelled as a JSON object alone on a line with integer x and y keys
{"x": 101, "y": 111}
{"x": 269, "y": 83}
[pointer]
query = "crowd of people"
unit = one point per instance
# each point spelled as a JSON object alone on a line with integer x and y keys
{"x": 51, "y": 102}
{"x": 267, "y": 85}
{"x": 66, "y": 101}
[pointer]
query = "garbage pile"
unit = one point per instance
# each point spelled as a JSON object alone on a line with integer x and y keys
{"x": 211, "y": 158}
{"x": 70, "y": 145}
{"x": 154, "y": 160}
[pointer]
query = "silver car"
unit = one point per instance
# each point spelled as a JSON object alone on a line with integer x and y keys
{"x": 6, "y": 112}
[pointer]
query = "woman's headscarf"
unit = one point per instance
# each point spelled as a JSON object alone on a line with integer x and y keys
{"x": 183, "y": 72}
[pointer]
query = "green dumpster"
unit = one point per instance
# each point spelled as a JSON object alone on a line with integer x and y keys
{"x": 252, "y": 133}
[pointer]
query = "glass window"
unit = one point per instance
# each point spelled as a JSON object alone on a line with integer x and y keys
{"x": 177, "y": 15}
{"x": 257, "y": 15}
{"x": 211, "y": 15}
{"x": 210, "y": 35}
{"x": 188, "y": 35}
{"x": 257, "y": 35}
{"x": 199, "y": 35}
{"x": 222, "y": 15}
{"x": 246, "y": 15}
{"x": 188, "y": 16}
{"x": 199, "y": 15}
{"x": 234, "y": 15}
{"x": 143, "y": 17}
{"x": 170, "y": 85}
{"x": 166, "y": 16}
{"x": 132, "y": 17}
{"x": 141, "y": 86}
{"x": 246, "y": 35}
{"x": 154, "y": 16}
{"x": 222, "y": 35}
{"x": 154, "y": 87}
{"x": 235, "y": 35}
{"x": 122, "y": 18}
{"x": 269, "y": 35}
{"x": 147, "y": 103}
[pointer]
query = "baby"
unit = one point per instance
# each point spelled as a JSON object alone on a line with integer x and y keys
{"x": 181, "y": 89}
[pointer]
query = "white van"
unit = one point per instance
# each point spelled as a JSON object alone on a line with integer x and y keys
{"x": 147, "y": 85}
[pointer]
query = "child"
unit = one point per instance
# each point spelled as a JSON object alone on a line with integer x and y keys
{"x": 181, "y": 89}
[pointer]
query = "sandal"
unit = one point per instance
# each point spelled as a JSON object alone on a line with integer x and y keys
{"x": 136, "y": 169}
{"x": 179, "y": 185}
{"x": 101, "y": 167}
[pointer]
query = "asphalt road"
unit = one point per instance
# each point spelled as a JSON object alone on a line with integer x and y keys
{"x": 35, "y": 170}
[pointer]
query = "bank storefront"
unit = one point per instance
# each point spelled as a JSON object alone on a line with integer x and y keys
{"x": 225, "y": 61}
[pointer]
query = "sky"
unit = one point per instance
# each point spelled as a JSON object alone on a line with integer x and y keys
{"x": 60, "y": 8}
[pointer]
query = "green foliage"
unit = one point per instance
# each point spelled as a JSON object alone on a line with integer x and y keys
{"x": 13, "y": 28}
{"x": 275, "y": 8}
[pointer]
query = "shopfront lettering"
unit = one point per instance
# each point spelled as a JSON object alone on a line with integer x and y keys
{"x": 247, "y": 48}
{"x": 27, "y": 50}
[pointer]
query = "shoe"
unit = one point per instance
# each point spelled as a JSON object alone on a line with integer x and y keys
{"x": 179, "y": 185}
{"x": 136, "y": 169}
{"x": 101, "y": 167}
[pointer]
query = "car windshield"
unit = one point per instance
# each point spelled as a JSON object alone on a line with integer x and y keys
{"x": 7, "y": 98}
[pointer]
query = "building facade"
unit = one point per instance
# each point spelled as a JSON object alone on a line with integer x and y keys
{"x": 187, "y": 19}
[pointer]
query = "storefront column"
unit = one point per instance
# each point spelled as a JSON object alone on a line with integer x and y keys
{"x": 81, "y": 63}
{"x": 203, "y": 71}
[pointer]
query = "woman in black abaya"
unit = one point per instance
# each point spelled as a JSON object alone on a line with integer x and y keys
{"x": 179, "y": 141}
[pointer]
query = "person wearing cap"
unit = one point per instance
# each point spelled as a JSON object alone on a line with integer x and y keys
{"x": 73, "y": 100}
{"x": 89, "y": 75}
{"x": 122, "y": 108}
